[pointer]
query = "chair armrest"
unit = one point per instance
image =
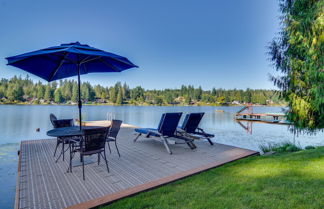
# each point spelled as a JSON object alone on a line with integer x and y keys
{"x": 201, "y": 130}
{"x": 73, "y": 141}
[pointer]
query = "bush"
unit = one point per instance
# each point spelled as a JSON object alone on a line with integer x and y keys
{"x": 281, "y": 147}
{"x": 292, "y": 148}
{"x": 310, "y": 147}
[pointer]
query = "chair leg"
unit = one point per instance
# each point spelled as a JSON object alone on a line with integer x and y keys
{"x": 63, "y": 149}
{"x": 210, "y": 141}
{"x": 166, "y": 144}
{"x": 83, "y": 168}
{"x": 71, "y": 156}
{"x": 105, "y": 158}
{"x": 98, "y": 158}
{"x": 191, "y": 145}
{"x": 117, "y": 148}
{"x": 109, "y": 147}
{"x": 137, "y": 137}
{"x": 57, "y": 144}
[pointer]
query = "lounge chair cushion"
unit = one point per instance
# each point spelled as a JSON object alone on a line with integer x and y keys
{"x": 151, "y": 131}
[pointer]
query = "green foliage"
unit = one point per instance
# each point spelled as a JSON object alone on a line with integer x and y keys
{"x": 48, "y": 93}
{"x": 299, "y": 55}
{"x": 119, "y": 99}
{"x": 15, "y": 92}
{"x": 292, "y": 148}
{"x": 310, "y": 147}
{"x": 280, "y": 147}
{"x": 75, "y": 95}
{"x": 112, "y": 95}
{"x": 40, "y": 91}
{"x": 87, "y": 92}
{"x": 58, "y": 98}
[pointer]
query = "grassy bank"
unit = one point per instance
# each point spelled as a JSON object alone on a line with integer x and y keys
{"x": 286, "y": 180}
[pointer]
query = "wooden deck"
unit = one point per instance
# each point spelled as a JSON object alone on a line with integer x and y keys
{"x": 143, "y": 165}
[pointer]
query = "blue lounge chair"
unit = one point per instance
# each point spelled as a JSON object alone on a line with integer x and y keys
{"x": 190, "y": 128}
{"x": 166, "y": 129}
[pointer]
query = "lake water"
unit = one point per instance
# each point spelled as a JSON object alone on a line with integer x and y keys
{"x": 20, "y": 123}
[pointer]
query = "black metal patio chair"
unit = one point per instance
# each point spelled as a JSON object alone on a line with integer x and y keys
{"x": 92, "y": 142}
{"x": 112, "y": 134}
{"x": 60, "y": 124}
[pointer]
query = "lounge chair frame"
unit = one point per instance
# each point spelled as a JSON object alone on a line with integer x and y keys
{"x": 164, "y": 138}
{"x": 191, "y": 130}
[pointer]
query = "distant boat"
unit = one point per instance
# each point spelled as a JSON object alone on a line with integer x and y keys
{"x": 219, "y": 111}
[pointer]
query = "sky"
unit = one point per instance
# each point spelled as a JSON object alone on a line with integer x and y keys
{"x": 207, "y": 43}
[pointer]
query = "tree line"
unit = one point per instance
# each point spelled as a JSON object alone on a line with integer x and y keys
{"x": 18, "y": 90}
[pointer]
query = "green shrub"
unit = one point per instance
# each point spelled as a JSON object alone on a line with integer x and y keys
{"x": 292, "y": 148}
{"x": 280, "y": 147}
{"x": 310, "y": 147}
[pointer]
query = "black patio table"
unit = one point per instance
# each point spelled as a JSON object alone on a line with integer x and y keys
{"x": 68, "y": 133}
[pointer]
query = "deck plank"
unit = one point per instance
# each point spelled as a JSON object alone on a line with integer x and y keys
{"x": 42, "y": 183}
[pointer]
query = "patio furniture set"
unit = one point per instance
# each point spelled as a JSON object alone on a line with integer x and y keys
{"x": 91, "y": 140}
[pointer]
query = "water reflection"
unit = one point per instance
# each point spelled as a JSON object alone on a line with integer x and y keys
{"x": 8, "y": 174}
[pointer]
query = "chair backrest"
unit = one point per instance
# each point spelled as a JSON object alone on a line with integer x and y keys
{"x": 52, "y": 118}
{"x": 63, "y": 123}
{"x": 94, "y": 139}
{"x": 114, "y": 128}
{"x": 168, "y": 123}
{"x": 60, "y": 123}
{"x": 191, "y": 122}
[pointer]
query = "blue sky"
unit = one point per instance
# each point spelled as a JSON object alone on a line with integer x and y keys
{"x": 214, "y": 43}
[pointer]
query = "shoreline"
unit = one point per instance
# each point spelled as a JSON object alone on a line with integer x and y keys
{"x": 147, "y": 105}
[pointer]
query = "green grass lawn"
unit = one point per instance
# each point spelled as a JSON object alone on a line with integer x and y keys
{"x": 287, "y": 180}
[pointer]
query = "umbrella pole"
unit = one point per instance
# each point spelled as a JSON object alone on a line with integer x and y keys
{"x": 79, "y": 102}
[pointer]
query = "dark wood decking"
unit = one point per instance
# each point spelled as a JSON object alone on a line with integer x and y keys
{"x": 143, "y": 165}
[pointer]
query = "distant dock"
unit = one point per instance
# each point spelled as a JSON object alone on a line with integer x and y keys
{"x": 276, "y": 118}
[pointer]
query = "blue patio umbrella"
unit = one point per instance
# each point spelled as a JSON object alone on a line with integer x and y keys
{"x": 68, "y": 60}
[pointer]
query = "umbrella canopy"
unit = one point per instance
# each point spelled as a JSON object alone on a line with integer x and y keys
{"x": 68, "y": 60}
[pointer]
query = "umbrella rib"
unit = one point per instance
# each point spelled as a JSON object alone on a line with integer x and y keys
{"x": 58, "y": 67}
{"x": 89, "y": 60}
{"x": 122, "y": 61}
{"x": 110, "y": 65}
{"x": 114, "y": 58}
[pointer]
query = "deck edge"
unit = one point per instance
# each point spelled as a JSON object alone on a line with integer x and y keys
{"x": 17, "y": 196}
{"x": 108, "y": 199}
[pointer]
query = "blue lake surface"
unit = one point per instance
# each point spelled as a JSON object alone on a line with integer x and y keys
{"x": 19, "y": 122}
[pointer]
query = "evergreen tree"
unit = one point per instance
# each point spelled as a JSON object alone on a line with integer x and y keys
{"x": 112, "y": 95}
{"x": 126, "y": 92}
{"x": 298, "y": 54}
{"x": 213, "y": 93}
{"x": 168, "y": 98}
{"x": 58, "y": 98}
{"x": 119, "y": 99}
{"x": 187, "y": 99}
{"x": 48, "y": 93}
{"x": 40, "y": 91}
{"x": 15, "y": 92}
{"x": 75, "y": 91}
{"x": 67, "y": 90}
